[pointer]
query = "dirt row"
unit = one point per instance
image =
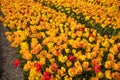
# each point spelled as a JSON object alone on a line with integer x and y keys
{"x": 7, "y": 56}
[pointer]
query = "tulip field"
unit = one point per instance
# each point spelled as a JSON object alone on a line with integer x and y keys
{"x": 64, "y": 39}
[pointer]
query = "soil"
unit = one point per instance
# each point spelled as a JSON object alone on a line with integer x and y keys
{"x": 7, "y": 56}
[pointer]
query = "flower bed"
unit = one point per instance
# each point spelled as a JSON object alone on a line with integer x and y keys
{"x": 64, "y": 40}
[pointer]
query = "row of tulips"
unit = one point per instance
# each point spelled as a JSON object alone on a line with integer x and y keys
{"x": 104, "y": 19}
{"x": 54, "y": 46}
{"x": 111, "y": 3}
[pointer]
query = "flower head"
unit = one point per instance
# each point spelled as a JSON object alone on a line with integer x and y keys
{"x": 97, "y": 68}
{"x": 47, "y": 76}
{"x": 38, "y": 67}
{"x": 81, "y": 29}
{"x": 71, "y": 57}
{"x": 16, "y": 63}
{"x": 54, "y": 66}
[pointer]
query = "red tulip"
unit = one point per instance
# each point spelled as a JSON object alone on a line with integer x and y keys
{"x": 81, "y": 29}
{"x": 38, "y": 67}
{"x": 47, "y": 76}
{"x": 54, "y": 66}
{"x": 41, "y": 19}
{"x": 58, "y": 52}
{"x": 16, "y": 63}
{"x": 71, "y": 57}
{"x": 97, "y": 68}
{"x": 91, "y": 35}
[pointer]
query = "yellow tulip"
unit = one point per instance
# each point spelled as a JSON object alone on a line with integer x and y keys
{"x": 79, "y": 69}
{"x": 50, "y": 45}
{"x": 68, "y": 63}
{"x": 42, "y": 60}
{"x": 82, "y": 57}
{"x": 86, "y": 35}
{"x": 114, "y": 49}
{"x": 62, "y": 58}
{"x": 79, "y": 33}
{"x": 87, "y": 17}
{"x": 116, "y": 67}
{"x": 33, "y": 29}
{"x": 43, "y": 35}
{"x": 34, "y": 42}
{"x": 36, "y": 49}
{"x": 88, "y": 55}
{"x": 49, "y": 56}
{"x": 103, "y": 25}
{"x": 73, "y": 51}
{"x": 71, "y": 41}
{"x": 10, "y": 38}
{"x": 105, "y": 44}
{"x": 61, "y": 72}
{"x": 67, "y": 50}
{"x": 112, "y": 41}
{"x": 27, "y": 56}
{"x": 116, "y": 76}
{"x": 52, "y": 60}
{"x": 108, "y": 74}
{"x": 57, "y": 77}
{"x": 77, "y": 63}
{"x": 28, "y": 66}
{"x": 110, "y": 57}
{"x": 67, "y": 78}
{"x": 23, "y": 36}
{"x": 85, "y": 65}
{"x": 99, "y": 75}
{"x": 91, "y": 39}
{"x": 72, "y": 72}
{"x": 109, "y": 64}
{"x": 93, "y": 54}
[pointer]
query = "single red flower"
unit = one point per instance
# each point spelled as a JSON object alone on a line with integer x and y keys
{"x": 16, "y": 62}
{"x": 97, "y": 68}
{"x": 47, "y": 76}
{"x": 38, "y": 67}
{"x": 41, "y": 19}
{"x": 91, "y": 35}
{"x": 54, "y": 66}
{"x": 81, "y": 29}
{"x": 71, "y": 57}
{"x": 58, "y": 52}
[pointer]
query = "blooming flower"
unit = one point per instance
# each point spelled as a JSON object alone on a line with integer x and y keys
{"x": 37, "y": 66}
{"x": 81, "y": 29}
{"x": 108, "y": 74}
{"x": 97, "y": 68}
{"x": 72, "y": 72}
{"x": 28, "y": 66}
{"x": 47, "y": 76}
{"x": 54, "y": 67}
{"x": 16, "y": 63}
{"x": 71, "y": 58}
{"x": 100, "y": 74}
{"x": 62, "y": 58}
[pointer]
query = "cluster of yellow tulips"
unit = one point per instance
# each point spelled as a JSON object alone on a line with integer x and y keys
{"x": 101, "y": 14}
{"x": 55, "y": 46}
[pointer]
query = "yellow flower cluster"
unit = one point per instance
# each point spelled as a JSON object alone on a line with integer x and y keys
{"x": 111, "y": 3}
{"x": 101, "y": 14}
{"x": 56, "y": 47}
